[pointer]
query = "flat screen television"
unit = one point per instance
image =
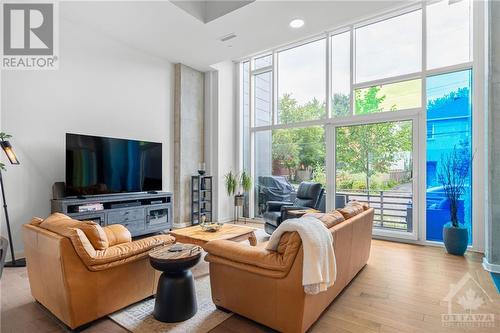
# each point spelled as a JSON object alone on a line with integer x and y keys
{"x": 99, "y": 165}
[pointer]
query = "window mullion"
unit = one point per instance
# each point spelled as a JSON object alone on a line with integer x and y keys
{"x": 328, "y": 76}
{"x": 422, "y": 138}
{"x": 352, "y": 71}
{"x": 275, "y": 97}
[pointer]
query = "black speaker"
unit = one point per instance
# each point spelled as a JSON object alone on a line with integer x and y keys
{"x": 58, "y": 190}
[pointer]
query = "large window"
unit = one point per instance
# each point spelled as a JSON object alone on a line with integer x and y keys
{"x": 341, "y": 73}
{"x": 302, "y": 83}
{"x": 448, "y": 33}
{"x": 358, "y": 108}
{"x": 263, "y": 93}
{"x": 245, "y": 111}
{"x": 388, "y": 97}
{"x": 389, "y": 48}
{"x": 449, "y": 149}
{"x": 287, "y": 157}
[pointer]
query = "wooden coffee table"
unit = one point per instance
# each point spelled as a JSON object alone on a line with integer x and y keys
{"x": 195, "y": 235}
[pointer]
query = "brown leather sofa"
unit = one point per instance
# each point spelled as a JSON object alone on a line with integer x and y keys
{"x": 266, "y": 286}
{"x": 81, "y": 271}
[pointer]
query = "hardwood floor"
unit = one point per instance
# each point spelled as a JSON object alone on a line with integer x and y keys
{"x": 400, "y": 290}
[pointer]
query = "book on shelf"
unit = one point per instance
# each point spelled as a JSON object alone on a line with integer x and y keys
{"x": 90, "y": 207}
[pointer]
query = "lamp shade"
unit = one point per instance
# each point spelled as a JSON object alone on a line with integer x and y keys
{"x": 7, "y": 148}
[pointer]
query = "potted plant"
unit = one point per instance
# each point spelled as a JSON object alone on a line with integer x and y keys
{"x": 230, "y": 182}
{"x": 453, "y": 176}
{"x": 246, "y": 186}
{"x": 233, "y": 183}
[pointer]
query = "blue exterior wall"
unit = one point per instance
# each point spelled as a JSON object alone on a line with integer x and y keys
{"x": 449, "y": 125}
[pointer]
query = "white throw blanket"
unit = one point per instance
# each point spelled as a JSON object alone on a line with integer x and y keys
{"x": 319, "y": 269}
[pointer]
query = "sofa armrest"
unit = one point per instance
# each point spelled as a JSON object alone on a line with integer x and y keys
{"x": 286, "y": 209}
{"x": 235, "y": 254}
{"x": 276, "y": 206}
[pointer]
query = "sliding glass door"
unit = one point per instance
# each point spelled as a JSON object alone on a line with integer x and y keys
{"x": 374, "y": 164}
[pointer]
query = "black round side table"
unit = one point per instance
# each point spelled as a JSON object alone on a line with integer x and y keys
{"x": 175, "y": 297}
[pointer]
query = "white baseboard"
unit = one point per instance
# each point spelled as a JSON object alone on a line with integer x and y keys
{"x": 226, "y": 220}
{"x": 494, "y": 268}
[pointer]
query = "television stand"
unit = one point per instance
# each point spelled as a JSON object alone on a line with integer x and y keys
{"x": 141, "y": 213}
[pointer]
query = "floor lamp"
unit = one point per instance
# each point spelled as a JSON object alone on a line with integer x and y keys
{"x": 7, "y": 148}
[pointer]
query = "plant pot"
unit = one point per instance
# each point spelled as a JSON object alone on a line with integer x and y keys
{"x": 239, "y": 200}
{"x": 455, "y": 239}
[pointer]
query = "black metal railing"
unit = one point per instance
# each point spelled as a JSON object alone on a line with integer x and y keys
{"x": 393, "y": 209}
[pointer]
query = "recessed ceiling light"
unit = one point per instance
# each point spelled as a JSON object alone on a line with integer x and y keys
{"x": 296, "y": 23}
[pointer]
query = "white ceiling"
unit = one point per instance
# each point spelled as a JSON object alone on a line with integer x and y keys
{"x": 209, "y": 10}
{"x": 162, "y": 29}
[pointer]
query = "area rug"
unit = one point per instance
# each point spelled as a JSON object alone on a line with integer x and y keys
{"x": 138, "y": 318}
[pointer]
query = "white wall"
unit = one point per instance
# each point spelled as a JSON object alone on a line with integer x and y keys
{"x": 102, "y": 87}
{"x": 223, "y": 131}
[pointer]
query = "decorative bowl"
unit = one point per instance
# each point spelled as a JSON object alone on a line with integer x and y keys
{"x": 210, "y": 226}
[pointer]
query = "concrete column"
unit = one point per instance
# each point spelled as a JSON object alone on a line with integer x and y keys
{"x": 492, "y": 260}
{"x": 188, "y": 137}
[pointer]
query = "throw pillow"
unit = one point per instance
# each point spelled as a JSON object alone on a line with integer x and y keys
{"x": 62, "y": 224}
{"x": 329, "y": 219}
{"x": 351, "y": 210}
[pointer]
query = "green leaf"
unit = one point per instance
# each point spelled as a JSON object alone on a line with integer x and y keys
{"x": 4, "y": 136}
{"x": 230, "y": 183}
{"x": 245, "y": 181}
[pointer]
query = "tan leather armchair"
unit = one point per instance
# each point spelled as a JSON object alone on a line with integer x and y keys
{"x": 266, "y": 286}
{"x": 81, "y": 271}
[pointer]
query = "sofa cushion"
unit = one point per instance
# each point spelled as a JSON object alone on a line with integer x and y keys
{"x": 62, "y": 225}
{"x": 352, "y": 209}
{"x": 329, "y": 219}
{"x": 95, "y": 234}
{"x": 117, "y": 234}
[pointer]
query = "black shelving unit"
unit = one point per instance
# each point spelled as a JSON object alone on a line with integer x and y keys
{"x": 201, "y": 198}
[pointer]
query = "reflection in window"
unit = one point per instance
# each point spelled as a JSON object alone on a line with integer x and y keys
{"x": 263, "y": 98}
{"x": 448, "y": 33}
{"x": 341, "y": 73}
{"x": 245, "y": 108}
{"x": 263, "y": 61}
{"x": 263, "y": 168}
{"x": 449, "y": 119}
{"x": 389, "y": 97}
{"x": 389, "y": 48}
{"x": 302, "y": 83}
